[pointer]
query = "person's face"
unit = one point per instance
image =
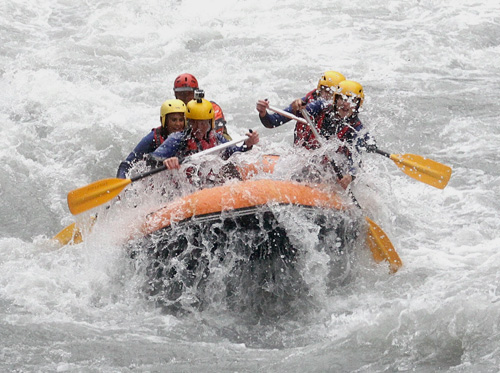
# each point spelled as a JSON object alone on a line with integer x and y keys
{"x": 326, "y": 93}
{"x": 175, "y": 122}
{"x": 346, "y": 105}
{"x": 199, "y": 128}
{"x": 184, "y": 96}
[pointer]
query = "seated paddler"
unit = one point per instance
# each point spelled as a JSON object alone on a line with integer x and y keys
{"x": 172, "y": 120}
{"x": 200, "y": 134}
{"x": 185, "y": 88}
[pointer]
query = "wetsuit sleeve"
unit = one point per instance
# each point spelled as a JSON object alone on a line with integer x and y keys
{"x": 168, "y": 149}
{"x": 364, "y": 140}
{"x": 361, "y": 140}
{"x": 305, "y": 99}
{"x": 314, "y": 108}
{"x": 145, "y": 146}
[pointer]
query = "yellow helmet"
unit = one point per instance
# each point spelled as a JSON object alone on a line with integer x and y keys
{"x": 200, "y": 109}
{"x": 330, "y": 79}
{"x": 352, "y": 89}
{"x": 169, "y": 107}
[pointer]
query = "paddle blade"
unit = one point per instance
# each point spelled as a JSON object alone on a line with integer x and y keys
{"x": 423, "y": 169}
{"x": 381, "y": 246}
{"x": 70, "y": 234}
{"x": 95, "y": 194}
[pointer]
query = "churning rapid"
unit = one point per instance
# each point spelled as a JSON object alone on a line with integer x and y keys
{"x": 82, "y": 82}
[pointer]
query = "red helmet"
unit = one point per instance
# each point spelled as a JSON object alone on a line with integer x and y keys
{"x": 185, "y": 82}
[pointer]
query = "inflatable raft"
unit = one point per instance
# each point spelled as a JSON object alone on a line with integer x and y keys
{"x": 258, "y": 234}
{"x": 255, "y": 239}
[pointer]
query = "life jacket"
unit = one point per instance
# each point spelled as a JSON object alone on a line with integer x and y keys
{"x": 344, "y": 129}
{"x": 190, "y": 145}
{"x": 303, "y": 136}
{"x": 219, "y": 115}
{"x": 220, "y": 121}
{"x": 158, "y": 137}
{"x": 311, "y": 96}
{"x": 346, "y": 132}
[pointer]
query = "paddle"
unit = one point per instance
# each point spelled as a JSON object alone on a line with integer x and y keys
{"x": 68, "y": 234}
{"x": 99, "y": 192}
{"x": 72, "y": 233}
{"x": 378, "y": 242}
{"x": 381, "y": 247}
{"x": 419, "y": 168}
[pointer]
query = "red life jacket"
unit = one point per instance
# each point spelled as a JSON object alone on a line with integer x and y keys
{"x": 311, "y": 96}
{"x": 303, "y": 136}
{"x": 158, "y": 137}
{"x": 347, "y": 133}
{"x": 194, "y": 146}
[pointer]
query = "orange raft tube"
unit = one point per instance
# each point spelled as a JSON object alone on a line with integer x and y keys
{"x": 249, "y": 237}
{"x": 240, "y": 196}
{"x": 248, "y": 242}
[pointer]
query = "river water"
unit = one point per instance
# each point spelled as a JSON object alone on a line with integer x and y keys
{"x": 81, "y": 83}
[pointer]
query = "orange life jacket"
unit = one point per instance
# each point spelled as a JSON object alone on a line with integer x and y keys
{"x": 220, "y": 121}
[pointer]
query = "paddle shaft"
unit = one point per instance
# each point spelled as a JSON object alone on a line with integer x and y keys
{"x": 190, "y": 158}
{"x": 378, "y": 151}
{"x": 148, "y": 173}
{"x": 287, "y": 114}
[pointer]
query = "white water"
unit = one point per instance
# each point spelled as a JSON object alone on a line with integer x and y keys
{"x": 82, "y": 82}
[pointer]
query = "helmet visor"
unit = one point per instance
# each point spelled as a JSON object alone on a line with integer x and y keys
{"x": 184, "y": 89}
